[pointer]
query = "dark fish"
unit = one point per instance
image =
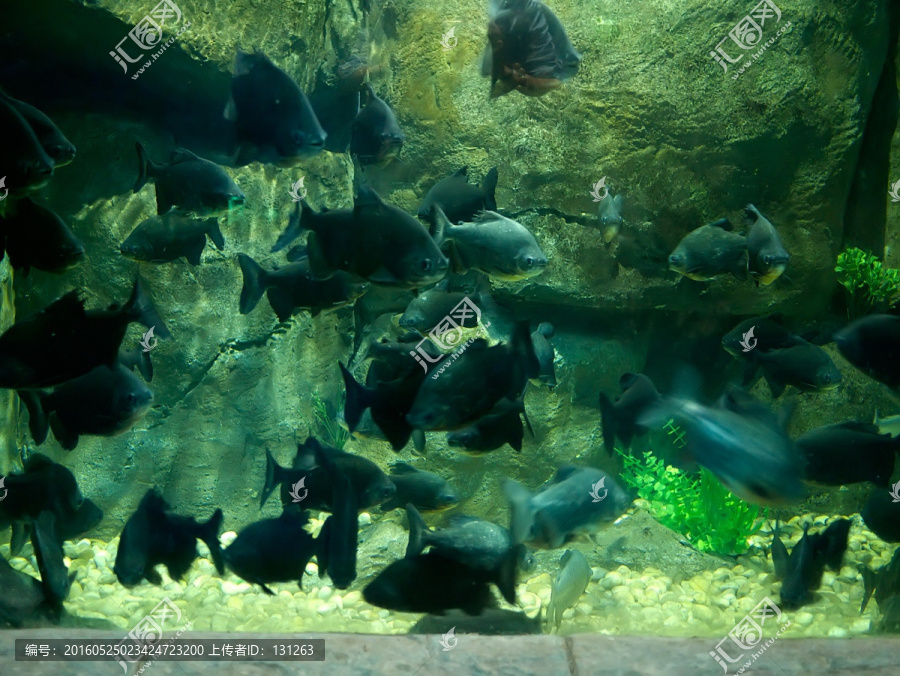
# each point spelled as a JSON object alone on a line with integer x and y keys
{"x": 49, "y": 554}
{"x": 545, "y": 354}
{"x": 805, "y": 366}
{"x": 188, "y": 182}
{"x": 374, "y": 240}
{"x": 274, "y": 122}
{"x": 55, "y": 144}
{"x": 44, "y": 485}
{"x": 460, "y": 200}
{"x": 376, "y": 136}
{"x": 64, "y": 341}
{"x": 565, "y": 507}
{"x": 426, "y": 491}
{"x": 642, "y": 250}
{"x": 371, "y": 486}
{"x": 620, "y": 419}
{"x": 161, "y": 239}
{"x": 23, "y": 597}
{"x": 767, "y": 256}
{"x": 569, "y": 58}
{"x": 272, "y": 550}
{"x": 711, "y": 251}
{"x": 881, "y": 514}
{"x": 105, "y": 402}
{"x": 338, "y": 539}
{"x": 293, "y": 287}
{"x": 569, "y": 584}
{"x": 336, "y": 103}
{"x": 758, "y": 333}
{"x": 502, "y": 425}
{"x": 610, "y": 214}
{"x": 26, "y": 166}
{"x": 847, "y": 453}
{"x": 154, "y": 535}
{"x": 430, "y": 307}
{"x": 137, "y": 359}
{"x": 779, "y": 555}
{"x": 475, "y": 383}
{"x": 38, "y": 238}
{"x": 493, "y": 244}
{"x": 872, "y": 344}
{"x": 807, "y": 561}
{"x": 885, "y": 583}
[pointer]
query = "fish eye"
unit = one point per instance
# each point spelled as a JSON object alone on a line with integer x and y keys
{"x": 768, "y": 260}
{"x": 425, "y": 265}
{"x": 529, "y": 262}
{"x": 674, "y": 259}
{"x": 826, "y": 377}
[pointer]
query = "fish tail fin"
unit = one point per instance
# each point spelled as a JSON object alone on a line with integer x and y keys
{"x": 489, "y": 184}
{"x": 209, "y": 533}
{"x": 506, "y": 573}
{"x": 870, "y": 579}
{"x": 215, "y": 233}
{"x": 37, "y": 417}
{"x": 146, "y": 168}
{"x": 295, "y": 226}
{"x": 440, "y": 225}
{"x": 139, "y": 308}
{"x": 255, "y": 279}
{"x": 417, "y": 532}
{"x": 274, "y": 472}
{"x": 521, "y": 511}
{"x": 608, "y": 422}
{"x": 357, "y": 401}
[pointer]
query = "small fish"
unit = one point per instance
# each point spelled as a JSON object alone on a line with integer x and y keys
{"x": 26, "y": 165}
{"x": 872, "y": 344}
{"x": 293, "y": 287}
{"x": 376, "y": 136}
{"x": 273, "y": 120}
{"x": 338, "y": 540}
{"x": 272, "y": 550}
{"x": 711, "y": 251}
{"x": 610, "y": 214}
{"x": 154, "y": 535}
{"x": 427, "y": 491}
{"x": 543, "y": 350}
{"x": 493, "y": 244}
{"x": 105, "y": 402}
{"x": 23, "y": 599}
{"x": 564, "y": 507}
{"x": 767, "y": 331}
{"x": 38, "y": 238}
{"x": 188, "y": 182}
{"x": 807, "y": 561}
{"x": 166, "y": 238}
{"x": 459, "y": 199}
{"x": 55, "y": 144}
{"x": 847, "y": 453}
{"x": 569, "y": 584}
{"x": 64, "y": 341}
{"x": 49, "y": 555}
{"x": 805, "y": 366}
{"x": 767, "y": 255}
{"x": 881, "y": 514}
{"x": 620, "y": 419}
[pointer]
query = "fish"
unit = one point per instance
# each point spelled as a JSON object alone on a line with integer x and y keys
{"x": 273, "y": 120}
{"x": 563, "y": 508}
{"x": 460, "y": 200}
{"x": 881, "y": 514}
{"x": 374, "y": 240}
{"x": 807, "y": 561}
{"x": 872, "y": 344}
{"x": 105, "y": 402}
{"x": 49, "y": 555}
{"x": 768, "y": 334}
{"x": 64, "y": 341}
{"x": 426, "y": 491}
{"x": 610, "y": 215}
{"x": 37, "y": 238}
{"x": 805, "y": 366}
{"x": 338, "y": 539}
{"x": 272, "y": 550}
{"x": 293, "y": 287}
{"x": 371, "y": 485}
{"x": 779, "y": 554}
{"x": 543, "y": 350}
{"x": 889, "y": 425}
{"x": 493, "y": 244}
{"x": 767, "y": 256}
{"x": 619, "y": 419}
{"x": 475, "y": 383}
{"x": 154, "y": 535}
{"x": 58, "y": 148}
{"x": 336, "y": 103}
{"x": 376, "y": 137}
{"x": 173, "y": 235}
{"x": 847, "y": 453}
{"x": 884, "y": 583}
{"x": 44, "y": 485}
{"x": 569, "y": 584}
{"x": 137, "y": 359}
{"x": 70, "y": 524}
{"x": 26, "y": 165}
{"x": 430, "y": 307}
{"x": 190, "y": 183}
{"x": 502, "y": 425}
{"x": 477, "y": 544}
{"x": 23, "y": 599}
{"x": 711, "y": 251}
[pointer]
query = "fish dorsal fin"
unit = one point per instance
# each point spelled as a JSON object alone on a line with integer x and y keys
{"x": 463, "y": 171}
{"x": 366, "y": 196}
{"x": 399, "y": 468}
{"x": 180, "y": 155}
{"x": 856, "y": 426}
{"x": 565, "y": 558}
{"x": 66, "y": 304}
{"x": 487, "y": 217}
{"x": 564, "y": 473}
{"x": 724, "y": 224}
{"x": 626, "y": 380}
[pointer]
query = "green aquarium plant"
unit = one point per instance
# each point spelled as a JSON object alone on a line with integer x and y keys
{"x": 871, "y": 286}
{"x": 330, "y": 430}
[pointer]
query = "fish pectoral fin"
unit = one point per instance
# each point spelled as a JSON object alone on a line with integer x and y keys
{"x": 66, "y": 438}
{"x": 152, "y": 576}
{"x": 194, "y": 253}
{"x": 383, "y": 276}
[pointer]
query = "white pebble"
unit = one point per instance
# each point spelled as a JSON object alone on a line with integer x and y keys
{"x": 227, "y": 538}
{"x": 324, "y": 593}
{"x": 365, "y": 519}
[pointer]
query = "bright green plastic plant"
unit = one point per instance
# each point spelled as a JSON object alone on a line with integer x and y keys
{"x": 871, "y": 287}
{"x": 330, "y": 430}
